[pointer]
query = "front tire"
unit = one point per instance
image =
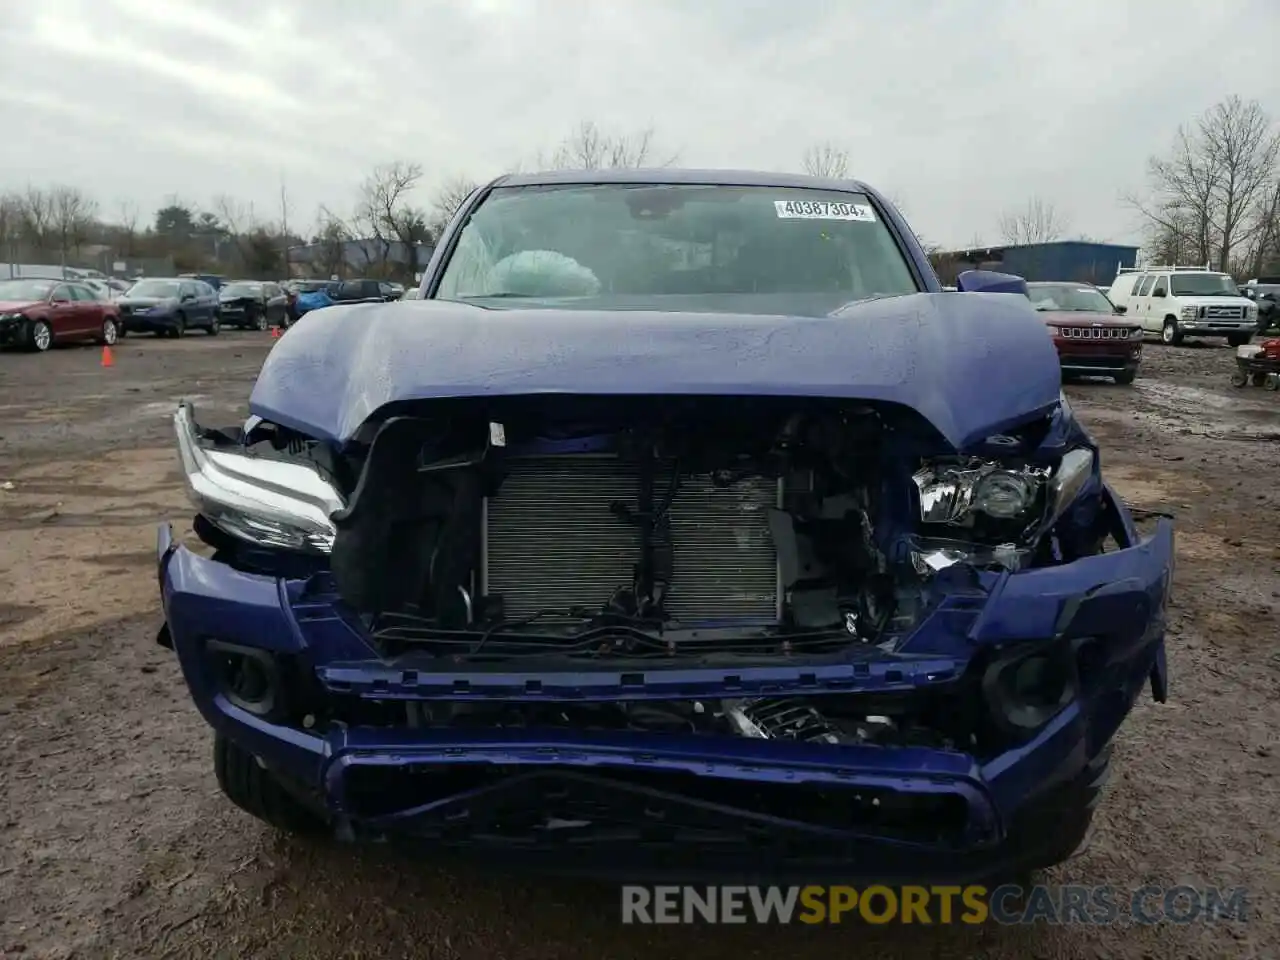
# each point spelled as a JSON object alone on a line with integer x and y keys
{"x": 40, "y": 336}
{"x": 214, "y": 328}
{"x": 1126, "y": 378}
{"x": 179, "y": 328}
{"x": 110, "y": 332}
{"x": 255, "y": 791}
{"x": 1239, "y": 339}
{"x": 1170, "y": 334}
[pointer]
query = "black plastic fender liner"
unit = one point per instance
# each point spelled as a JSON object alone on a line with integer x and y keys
{"x": 405, "y": 527}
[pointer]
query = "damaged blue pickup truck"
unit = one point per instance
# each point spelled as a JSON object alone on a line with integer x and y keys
{"x": 685, "y": 526}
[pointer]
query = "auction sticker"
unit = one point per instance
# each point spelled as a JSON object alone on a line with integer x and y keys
{"x": 823, "y": 210}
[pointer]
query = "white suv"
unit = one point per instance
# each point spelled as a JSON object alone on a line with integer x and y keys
{"x": 1178, "y": 302}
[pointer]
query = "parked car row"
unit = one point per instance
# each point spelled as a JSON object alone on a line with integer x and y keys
{"x": 37, "y": 313}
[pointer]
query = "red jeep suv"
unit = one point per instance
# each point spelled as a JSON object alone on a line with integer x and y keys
{"x": 1087, "y": 329}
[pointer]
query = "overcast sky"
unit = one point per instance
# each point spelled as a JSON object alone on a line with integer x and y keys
{"x": 958, "y": 109}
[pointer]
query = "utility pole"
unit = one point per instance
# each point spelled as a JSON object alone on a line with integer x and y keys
{"x": 284, "y": 223}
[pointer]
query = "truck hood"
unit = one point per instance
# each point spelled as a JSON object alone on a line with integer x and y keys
{"x": 1191, "y": 300}
{"x": 971, "y": 364}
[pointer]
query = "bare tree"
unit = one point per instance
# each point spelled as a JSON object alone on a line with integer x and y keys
{"x": 239, "y": 222}
{"x": 127, "y": 216}
{"x": 1038, "y": 222}
{"x": 385, "y": 215}
{"x": 1209, "y": 195}
{"x": 1264, "y": 252}
{"x": 331, "y": 239}
{"x": 11, "y": 225}
{"x": 590, "y": 147}
{"x": 1242, "y": 142}
{"x": 451, "y": 195}
{"x": 826, "y": 160}
{"x": 37, "y": 219}
{"x": 72, "y": 216}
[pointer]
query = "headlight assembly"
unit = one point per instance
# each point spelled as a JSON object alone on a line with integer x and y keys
{"x": 955, "y": 493}
{"x": 268, "y": 503}
{"x": 952, "y": 494}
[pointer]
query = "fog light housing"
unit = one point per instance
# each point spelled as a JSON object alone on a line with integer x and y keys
{"x": 1026, "y": 690}
{"x": 247, "y": 677}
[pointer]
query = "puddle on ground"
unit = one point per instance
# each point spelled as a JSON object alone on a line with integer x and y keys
{"x": 1165, "y": 394}
{"x": 167, "y": 407}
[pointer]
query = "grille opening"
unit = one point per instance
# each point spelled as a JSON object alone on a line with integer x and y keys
{"x": 684, "y": 525}
{"x": 519, "y": 801}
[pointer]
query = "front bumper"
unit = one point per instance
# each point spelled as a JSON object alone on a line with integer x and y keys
{"x": 1004, "y": 811}
{"x": 149, "y": 322}
{"x": 13, "y": 332}
{"x": 1216, "y": 328}
{"x": 1098, "y": 359}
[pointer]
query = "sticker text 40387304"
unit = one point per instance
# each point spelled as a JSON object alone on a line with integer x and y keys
{"x": 823, "y": 210}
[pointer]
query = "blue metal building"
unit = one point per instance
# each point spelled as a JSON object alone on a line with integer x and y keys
{"x": 1078, "y": 260}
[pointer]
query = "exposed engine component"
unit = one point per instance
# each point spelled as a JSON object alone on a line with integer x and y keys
{"x": 793, "y": 718}
{"x": 763, "y": 718}
{"x": 789, "y": 718}
{"x": 661, "y": 526}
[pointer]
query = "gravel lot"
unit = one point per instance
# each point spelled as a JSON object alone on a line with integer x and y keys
{"x": 115, "y": 842}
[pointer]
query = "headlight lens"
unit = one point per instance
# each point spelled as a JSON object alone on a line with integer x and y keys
{"x": 1188, "y": 313}
{"x": 1005, "y": 494}
{"x": 268, "y": 503}
{"x": 952, "y": 493}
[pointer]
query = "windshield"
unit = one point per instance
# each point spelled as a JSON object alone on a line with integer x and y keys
{"x": 646, "y": 241}
{"x": 25, "y": 289}
{"x": 1203, "y": 285}
{"x": 154, "y": 288}
{"x": 1069, "y": 297}
{"x": 242, "y": 290}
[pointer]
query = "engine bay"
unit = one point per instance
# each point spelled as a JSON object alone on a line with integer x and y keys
{"x": 660, "y": 526}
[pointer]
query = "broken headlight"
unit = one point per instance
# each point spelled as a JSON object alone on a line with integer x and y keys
{"x": 270, "y": 503}
{"x": 955, "y": 492}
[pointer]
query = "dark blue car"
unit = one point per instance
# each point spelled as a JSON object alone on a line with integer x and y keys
{"x": 685, "y": 527}
{"x": 169, "y": 307}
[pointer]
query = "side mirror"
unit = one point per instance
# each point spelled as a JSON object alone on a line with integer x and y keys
{"x": 1157, "y": 293}
{"x": 1120, "y": 308}
{"x": 988, "y": 281}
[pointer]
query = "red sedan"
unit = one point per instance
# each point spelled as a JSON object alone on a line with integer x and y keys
{"x": 36, "y": 314}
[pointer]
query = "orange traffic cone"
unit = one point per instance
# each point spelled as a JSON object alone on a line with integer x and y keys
{"x": 107, "y": 359}
{"x": 275, "y": 333}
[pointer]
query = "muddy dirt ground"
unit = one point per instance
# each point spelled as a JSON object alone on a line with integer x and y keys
{"x": 115, "y": 842}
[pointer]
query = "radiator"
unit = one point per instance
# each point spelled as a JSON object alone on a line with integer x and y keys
{"x": 550, "y": 541}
